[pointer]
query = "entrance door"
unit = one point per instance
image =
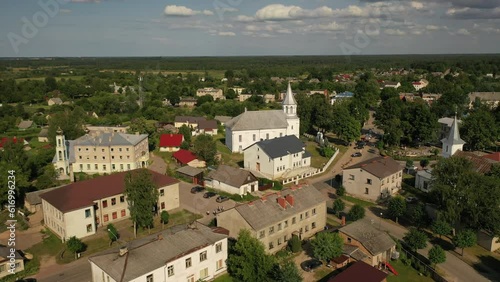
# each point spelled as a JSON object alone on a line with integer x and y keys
{"x": 258, "y": 167}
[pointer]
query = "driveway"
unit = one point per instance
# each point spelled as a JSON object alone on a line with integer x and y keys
{"x": 158, "y": 164}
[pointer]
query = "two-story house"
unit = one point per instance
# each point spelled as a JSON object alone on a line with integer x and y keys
{"x": 171, "y": 142}
{"x": 100, "y": 152}
{"x": 232, "y": 180}
{"x": 10, "y": 262}
{"x": 275, "y": 157}
{"x": 373, "y": 179}
{"x": 79, "y": 208}
{"x": 181, "y": 253}
{"x": 377, "y": 245}
{"x": 216, "y": 93}
{"x": 275, "y": 218}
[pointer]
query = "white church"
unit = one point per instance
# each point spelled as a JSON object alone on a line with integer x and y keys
{"x": 452, "y": 143}
{"x": 254, "y": 126}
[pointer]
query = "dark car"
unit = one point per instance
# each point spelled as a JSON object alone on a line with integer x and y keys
{"x": 27, "y": 280}
{"x": 209, "y": 194}
{"x": 221, "y": 199}
{"x": 197, "y": 189}
{"x": 310, "y": 265}
{"x": 358, "y": 154}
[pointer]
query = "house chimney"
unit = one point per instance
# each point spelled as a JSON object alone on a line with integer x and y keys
{"x": 281, "y": 202}
{"x": 290, "y": 199}
{"x": 123, "y": 251}
{"x": 343, "y": 220}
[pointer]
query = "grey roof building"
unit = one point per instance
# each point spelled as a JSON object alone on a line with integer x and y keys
{"x": 25, "y": 124}
{"x": 279, "y": 147}
{"x": 152, "y": 254}
{"x": 372, "y": 240}
{"x": 110, "y": 139}
{"x": 380, "y": 166}
{"x": 258, "y": 120}
{"x": 232, "y": 180}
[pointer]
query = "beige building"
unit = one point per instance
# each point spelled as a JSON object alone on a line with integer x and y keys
{"x": 274, "y": 218}
{"x": 216, "y": 93}
{"x": 79, "y": 208}
{"x": 373, "y": 179}
{"x": 10, "y": 263}
{"x": 100, "y": 152}
{"x": 107, "y": 129}
{"x": 377, "y": 246}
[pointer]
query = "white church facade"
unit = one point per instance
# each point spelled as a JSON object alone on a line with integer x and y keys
{"x": 452, "y": 143}
{"x": 254, "y": 126}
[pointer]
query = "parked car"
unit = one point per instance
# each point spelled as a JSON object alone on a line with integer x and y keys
{"x": 209, "y": 195}
{"x": 221, "y": 199}
{"x": 310, "y": 265}
{"x": 197, "y": 189}
{"x": 358, "y": 154}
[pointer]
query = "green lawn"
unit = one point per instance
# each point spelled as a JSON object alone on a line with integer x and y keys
{"x": 224, "y": 278}
{"x": 358, "y": 201}
{"x": 228, "y": 157}
{"x": 406, "y": 273}
{"x": 317, "y": 160}
{"x": 4, "y": 216}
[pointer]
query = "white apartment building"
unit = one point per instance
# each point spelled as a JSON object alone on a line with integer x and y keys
{"x": 100, "y": 152}
{"x": 216, "y": 93}
{"x": 79, "y": 208}
{"x": 181, "y": 253}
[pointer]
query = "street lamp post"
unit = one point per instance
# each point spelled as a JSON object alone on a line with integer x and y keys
{"x": 380, "y": 224}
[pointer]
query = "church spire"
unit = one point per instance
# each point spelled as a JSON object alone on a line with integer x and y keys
{"x": 453, "y": 142}
{"x": 289, "y": 100}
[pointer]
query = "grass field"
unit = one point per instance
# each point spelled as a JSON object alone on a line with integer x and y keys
{"x": 358, "y": 201}
{"x": 406, "y": 273}
{"x": 224, "y": 278}
{"x": 317, "y": 160}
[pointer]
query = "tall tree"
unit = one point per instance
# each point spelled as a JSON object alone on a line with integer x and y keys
{"x": 142, "y": 195}
{"x": 436, "y": 255}
{"x": 75, "y": 245}
{"x": 112, "y": 233}
{"x": 204, "y": 146}
{"x": 186, "y": 132}
{"x": 338, "y": 206}
{"x": 247, "y": 261}
{"x": 415, "y": 239}
{"x": 50, "y": 83}
{"x": 286, "y": 273}
{"x": 396, "y": 207}
{"x": 479, "y": 129}
{"x": 464, "y": 239}
{"x": 441, "y": 228}
{"x": 327, "y": 245}
{"x": 357, "y": 212}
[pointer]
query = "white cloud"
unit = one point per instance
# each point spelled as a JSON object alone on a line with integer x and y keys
{"x": 396, "y": 32}
{"x": 333, "y": 26}
{"x": 279, "y": 12}
{"x": 417, "y": 5}
{"x": 244, "y": 19}
{"x": 183, "y": 11}
{"x": 463, "y": 31}
{"x": 226, "y": 33}
{"x": 432, "y": 27}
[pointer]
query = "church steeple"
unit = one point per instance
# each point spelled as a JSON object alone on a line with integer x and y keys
{"x": 289, "y": 104}
{"x": 453, "y": 142}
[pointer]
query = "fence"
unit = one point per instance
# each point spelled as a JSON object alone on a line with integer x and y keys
{"x": 309, "y": 174}
{"x": 426, "y": 268}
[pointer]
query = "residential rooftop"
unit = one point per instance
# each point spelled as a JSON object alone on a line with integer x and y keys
{"x": 253, "y": 120}
{"x": 82, "y": 194}
{"x": 109, "y": 139}
{"x": 232, "y": 175}
{"x": 374, "y": 240}
{"x": 360, "y": 271}
{"x": 281, "y": 146}
{"x": 156, "y": 251}
{"x": 379, "y": 166}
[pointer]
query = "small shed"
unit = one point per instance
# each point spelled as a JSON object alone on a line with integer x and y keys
{"x": 32, "y": 200}
{"x": 195, "y": 174}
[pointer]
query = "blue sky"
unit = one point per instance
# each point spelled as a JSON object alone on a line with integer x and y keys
{"x": 246, "y": 27}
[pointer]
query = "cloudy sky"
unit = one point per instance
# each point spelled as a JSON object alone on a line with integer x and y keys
{"x": 246, "y": 27}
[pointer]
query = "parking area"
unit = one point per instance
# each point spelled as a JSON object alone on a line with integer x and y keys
{"x": 197, "y": 204}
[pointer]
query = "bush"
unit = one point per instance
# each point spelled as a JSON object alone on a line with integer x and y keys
{"x": 357, "y": 212}
{"x": 294, "y": 244}
{"x": 341, "y": 191}
{"x": 327, "y": 152}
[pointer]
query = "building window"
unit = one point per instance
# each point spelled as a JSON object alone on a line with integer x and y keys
{"x": 240, "y": 138}
{"x": 124, "y": 213}
{"x": 293, "y": 220}
{"x": 88, "y": 166}
{"x": 301, "y": 216}
{"x": 219, "y": 264}
{"x": 218, "y": 247}
{"x": 103, "y": 167}
{"x": 102, "y": 150}
{"x": 113, "y": 167}
{"x": 267, "y": 135}
{"x": 279, "y": 226}
{"x": 170, "y": 270}
{"x": 254, "y": 137}
{"x": 115, "y": 215}
{"x": 314, "y": 211}
{"x": 262, "y": 234}
{"x": 128, "y": 166}
{"x": 286, "y": 224}
{"x": 89, "y": 228}
{"x": 96, "y": 167}
{"x": 188, "y": 263}
{"x": 203, "y": 256}
{"x": 106, "y": 218}
{"x": 162, "y": 192}
{"x": 105, "y": 203}
{"x": 271, "y": 245}
{"x": 366, "y": 190}
{"x": 149, "y": 278}
{"x": 307, "y": 228}
{"x": 88, "y": 213}
{"x": 349, "y": 240}
{"x": 113, "y": 201}
{"x": 271, "y": 230}
{"x": 369, "y": 181}
{"x": 122, "y": 199}
{"x": 121, "y": 165}
{"x": 204, "y": 273}
{"x": 307, "y": 214}
{"x": 279, "y": 241}
{"x": 351, "y": 177}
{"x": 162, "y": 205}
{"x": 313, "y": 225}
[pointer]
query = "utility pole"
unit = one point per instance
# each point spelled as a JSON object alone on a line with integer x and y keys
{"x": 141, "y": 96}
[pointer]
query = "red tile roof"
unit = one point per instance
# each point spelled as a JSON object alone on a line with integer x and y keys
{"x": 360, "y": 271}
{"x": 82, "y": 194}
{"x": 184, "y": 156}
{"x": 171, "y": 140}
{"x": 4, "y": 140}
{"x": 494, "y": 156}
{"x": 480, "y": 164}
